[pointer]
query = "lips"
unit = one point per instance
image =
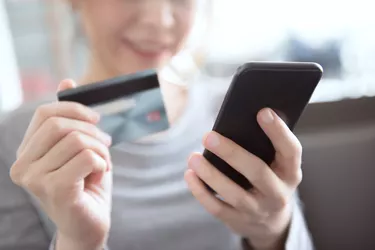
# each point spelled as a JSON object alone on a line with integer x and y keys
{"x": 147, "y": 48}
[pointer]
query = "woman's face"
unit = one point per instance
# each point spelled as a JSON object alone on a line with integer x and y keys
{"x": 126, "y": 36}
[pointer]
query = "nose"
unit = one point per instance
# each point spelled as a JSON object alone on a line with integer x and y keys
{"x": 158, "y": 14}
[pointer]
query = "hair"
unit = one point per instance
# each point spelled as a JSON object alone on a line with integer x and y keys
{"x": 183, "y": 67}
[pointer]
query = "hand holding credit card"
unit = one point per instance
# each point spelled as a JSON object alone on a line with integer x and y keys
{"x": 131, "y": 106}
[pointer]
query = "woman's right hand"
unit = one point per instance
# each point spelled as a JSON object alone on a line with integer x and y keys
{"x": 64, "y": 161}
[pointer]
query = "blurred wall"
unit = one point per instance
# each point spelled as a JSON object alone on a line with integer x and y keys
{"x": 10, "y": 89}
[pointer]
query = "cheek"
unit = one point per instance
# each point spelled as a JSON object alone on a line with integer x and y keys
{"x": 183, "y": 32}
{"x": 102, "y": 24}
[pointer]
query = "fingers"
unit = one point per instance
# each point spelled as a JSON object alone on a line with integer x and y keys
{"x": 213, "y": 205}
{"x": 70, "y": 146}
{"x": 288, "y": 148}
{"x": 254, "y": 169}
{"x": 66, "y": 84}
{"x": 53, "y": 130}
{"x": 59, "y": 109}
{"x": 81, "y": 166}
{"x": 66, "y": 178}
{"x": 232, "y": 194}
{"x": 237, "y": 220}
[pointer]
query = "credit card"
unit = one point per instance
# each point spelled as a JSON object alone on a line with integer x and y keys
{"x": 131, "y": 106}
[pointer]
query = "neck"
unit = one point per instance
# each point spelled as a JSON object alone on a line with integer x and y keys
{"x": 175, "y": 96}
{"x": 96, "y": 72}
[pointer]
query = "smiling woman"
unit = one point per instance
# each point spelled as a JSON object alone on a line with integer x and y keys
{"x": 125, "y": 42}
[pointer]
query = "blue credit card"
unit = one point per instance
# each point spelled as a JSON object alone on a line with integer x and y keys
{"x": 131, "y": 106}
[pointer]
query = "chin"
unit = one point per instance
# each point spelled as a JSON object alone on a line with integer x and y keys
{"x": 136, "y": 68}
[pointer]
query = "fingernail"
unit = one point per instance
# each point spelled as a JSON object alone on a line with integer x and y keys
{"x": 212, "y": 140}
{"x": 267, "y": 116}
{"x": 66, "y": 84}
{"x": 194, "y": 162}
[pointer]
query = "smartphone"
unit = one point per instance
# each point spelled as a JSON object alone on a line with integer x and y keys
{"x": 285, "y": 87}
{"x": 131, "y": 106}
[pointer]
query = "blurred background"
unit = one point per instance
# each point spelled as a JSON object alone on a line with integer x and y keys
{"x": 38, "y": 47}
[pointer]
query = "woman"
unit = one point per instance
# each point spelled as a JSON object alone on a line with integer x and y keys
{"x": 65, "y": 164}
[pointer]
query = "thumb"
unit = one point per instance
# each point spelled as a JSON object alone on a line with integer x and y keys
{"x": 66, "y": 84}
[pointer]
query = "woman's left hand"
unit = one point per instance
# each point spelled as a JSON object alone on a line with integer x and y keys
{"x": 261, "y": 215}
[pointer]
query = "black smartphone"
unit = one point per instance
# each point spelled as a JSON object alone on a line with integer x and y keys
{"x": 285, "y": 87}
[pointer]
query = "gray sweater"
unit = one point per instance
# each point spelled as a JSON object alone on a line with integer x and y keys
{"x": 152, "y": 207}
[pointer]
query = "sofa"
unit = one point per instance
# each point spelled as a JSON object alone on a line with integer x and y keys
{"x": 338, "y": 187}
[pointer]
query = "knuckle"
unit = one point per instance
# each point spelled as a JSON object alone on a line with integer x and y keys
{"x": 298, "y": 176}
{"x": 42, "y": 111}
{"x": 281, "y": 201}
{"x": 295, "y": 152}
{"x": 89, "y": 157}
{"x": 298, "y": 148}
{"x": 54, "y": 124}
{"x": 15, "y": 173}
{"x": 77, "y": 139}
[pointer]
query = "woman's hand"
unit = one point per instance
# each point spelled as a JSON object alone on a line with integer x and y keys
{"x": 64, "y": 161}
{"x": 261, "y": 215}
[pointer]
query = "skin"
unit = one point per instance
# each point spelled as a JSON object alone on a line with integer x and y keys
{"x": 64, "y": 158}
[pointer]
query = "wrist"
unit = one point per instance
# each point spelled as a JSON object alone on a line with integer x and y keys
{"x": 66, "y": 243}
{"x": 273, "y": 236}
{"x": 265, "y": 245}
